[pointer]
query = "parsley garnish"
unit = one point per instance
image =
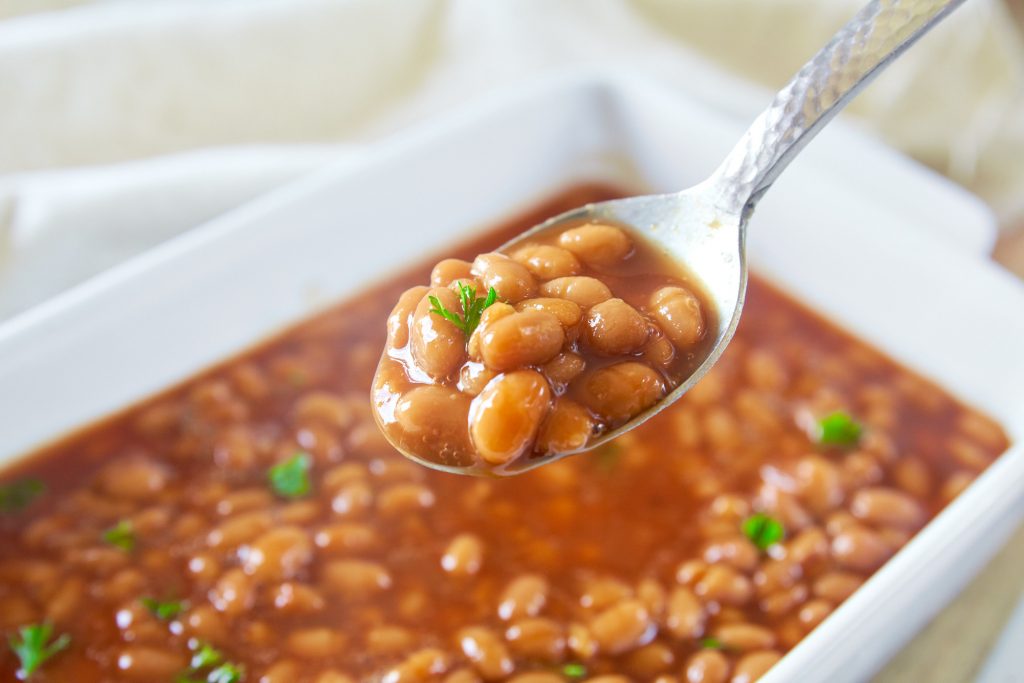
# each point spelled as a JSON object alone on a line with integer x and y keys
{"x": 838, "y": 429}
{"x": 574, "y": 670}
{"x": 33, "y": 650}
{"x": 165, "y": 610}
{"x": 472, "y": 308}
{"x": 208, "y": 657}
{"x": 762, "y": 530}
{"x": 290, "y": 479}
{"x": 18, "y": 494}
{"x": 121, "y": 535}
{"x": 711, "y": 644}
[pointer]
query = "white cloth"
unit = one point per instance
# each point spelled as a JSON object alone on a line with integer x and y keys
{"x": 124, "y": 123}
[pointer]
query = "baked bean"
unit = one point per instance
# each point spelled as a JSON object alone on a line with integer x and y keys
{"x": 511, "y": 280}
{"x": 565, "y": 367}
{"x": 438, "y": 346}
{"x": 234, "y": 593}
{"x": 420, "y": 666}
{"x": 524, "y": 597}
{"x": 659, "y": 351}
{"x": 581, "y": 641}
{"x": 736, "y": 551}
{"x": 352, "y": 500}
{"x": 355, "y": 578}
{"x": 536, "y": 639}
{"x": 650, "y": 660}
{"x": 819, "y": 484}
{"x": 751, "y": 667}
{"x": 473, "y": 377}
{"x": 547, "y": 262}
{"x": 955, "y": 485}
{"x": 462, "y": 676}
{"x": 608, "y": 678}
{"x": 614, "y": 328}
{"x": 434, "y": 413}
{"x": 665, "y": 678}
{"x": 529, "y": 338}
{"x": 707, "y": 666}
{"x": 836, "y": 586}
{"x": 725, "y": 586}
{"x": 623, "y": 627}
{"x": 970, "y": 455}
{"x": 402, "y": 499}
{"x": 860, "y": 549}
{"x": 282, "y": 671}
{"x": 281, "y": 553}
{"x": 296, "y": 598}
{"x": 505, "y": 417}
{"x": 597, "y": 244}
{"x": 567, "y": 312}
{"x": 601, "y": 592}
{"x": 685, "y": 617}
{"x": 860, "y": 469}
{"x": 485, "y": 650}
{"x": 144, "y": 663}
{"x": 808, "y": 546}
{"x": 653, "y": 595}
{"x": 536, "y": 677}
{"x": 314, "y": 643}
{"x": 63, "y": 604}
{"x": 133, "y": 478}
{"x": 691, "y": 571}
{"x": 580, "y": 289}
{"x": 913, "y": 476}
{"x": 783, "y": 601}
{"x": 618, "y": 392}
{"x": 679, "y": 314}
{"x": 886, "y": 506}
{"x": 745, "y": 637}
{"x": 492, "y": 314}
{"x": 566, "y": 428}
{"x": 814, "y": 612}
{"x": 332, "y": 676}
{"x": 450, "y": 270}
{"x": 205, "y": 623}
{"x": 464, "y": 555}
{"x": 324, "y": 407}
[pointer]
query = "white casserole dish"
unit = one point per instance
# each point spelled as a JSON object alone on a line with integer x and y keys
{"x": 901, "y": 269}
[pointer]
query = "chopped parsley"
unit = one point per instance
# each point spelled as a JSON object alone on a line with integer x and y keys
{"x": 163, "y": 610}
{"x": 762, "y": 530}
{"x": 121, "y": 535}
{"x": 209, "y": 659}
{"x": 18, "y": 494}
{"x": 290, "y": 479}
{"x": 838, "y": 429}
{"x": 711, "y": 644}
{"x": 34, "y": 647}
{"x": 574, "y": 670}
{"x": 472, "y": 308}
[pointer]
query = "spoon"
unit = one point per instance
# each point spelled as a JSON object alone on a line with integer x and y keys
{"x": 705, "y": 226}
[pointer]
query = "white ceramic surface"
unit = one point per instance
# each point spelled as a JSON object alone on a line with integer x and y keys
{"x": 901, "y": 268}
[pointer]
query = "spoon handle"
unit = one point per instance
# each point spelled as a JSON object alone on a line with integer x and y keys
{"x": 857, "y": 53}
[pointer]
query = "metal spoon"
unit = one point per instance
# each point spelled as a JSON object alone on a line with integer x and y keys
{"x": 705, "y": 226}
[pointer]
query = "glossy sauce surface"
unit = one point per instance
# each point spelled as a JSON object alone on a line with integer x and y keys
{"x": 631, "y": 561}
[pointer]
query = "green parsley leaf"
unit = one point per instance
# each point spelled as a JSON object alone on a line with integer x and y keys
{"x": 121, "y": 535}
{"x": 18, "y": 494}
{"x": 762, "y": 530}
{"x": 226, "y": 673}
{"x": 290, "y": 479}
{"x": 165, "y": 611}
{"x": 205, "y": 656}
{"x": 472, "y": 308}
{"x": 33, "y": 650}
{"x": 711, "y": 644}
{"x": 838, "y": 429}
{"x": 574, "y": 670}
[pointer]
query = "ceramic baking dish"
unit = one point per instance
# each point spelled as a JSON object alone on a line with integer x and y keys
{"x": 903, "y": 269}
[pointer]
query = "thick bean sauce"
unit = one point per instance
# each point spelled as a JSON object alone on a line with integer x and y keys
{"x": 520, "y": 356}
{"x": 255, "y": 522}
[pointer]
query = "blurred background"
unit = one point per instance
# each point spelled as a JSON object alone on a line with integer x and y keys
{"x": 124, "y": 123}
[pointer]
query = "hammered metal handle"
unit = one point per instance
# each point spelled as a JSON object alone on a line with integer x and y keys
{"x": 857, "y": 53}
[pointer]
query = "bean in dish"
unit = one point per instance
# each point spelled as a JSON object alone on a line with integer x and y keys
{"x": 521, "y": 356}
{"x": 253, "y": 521}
